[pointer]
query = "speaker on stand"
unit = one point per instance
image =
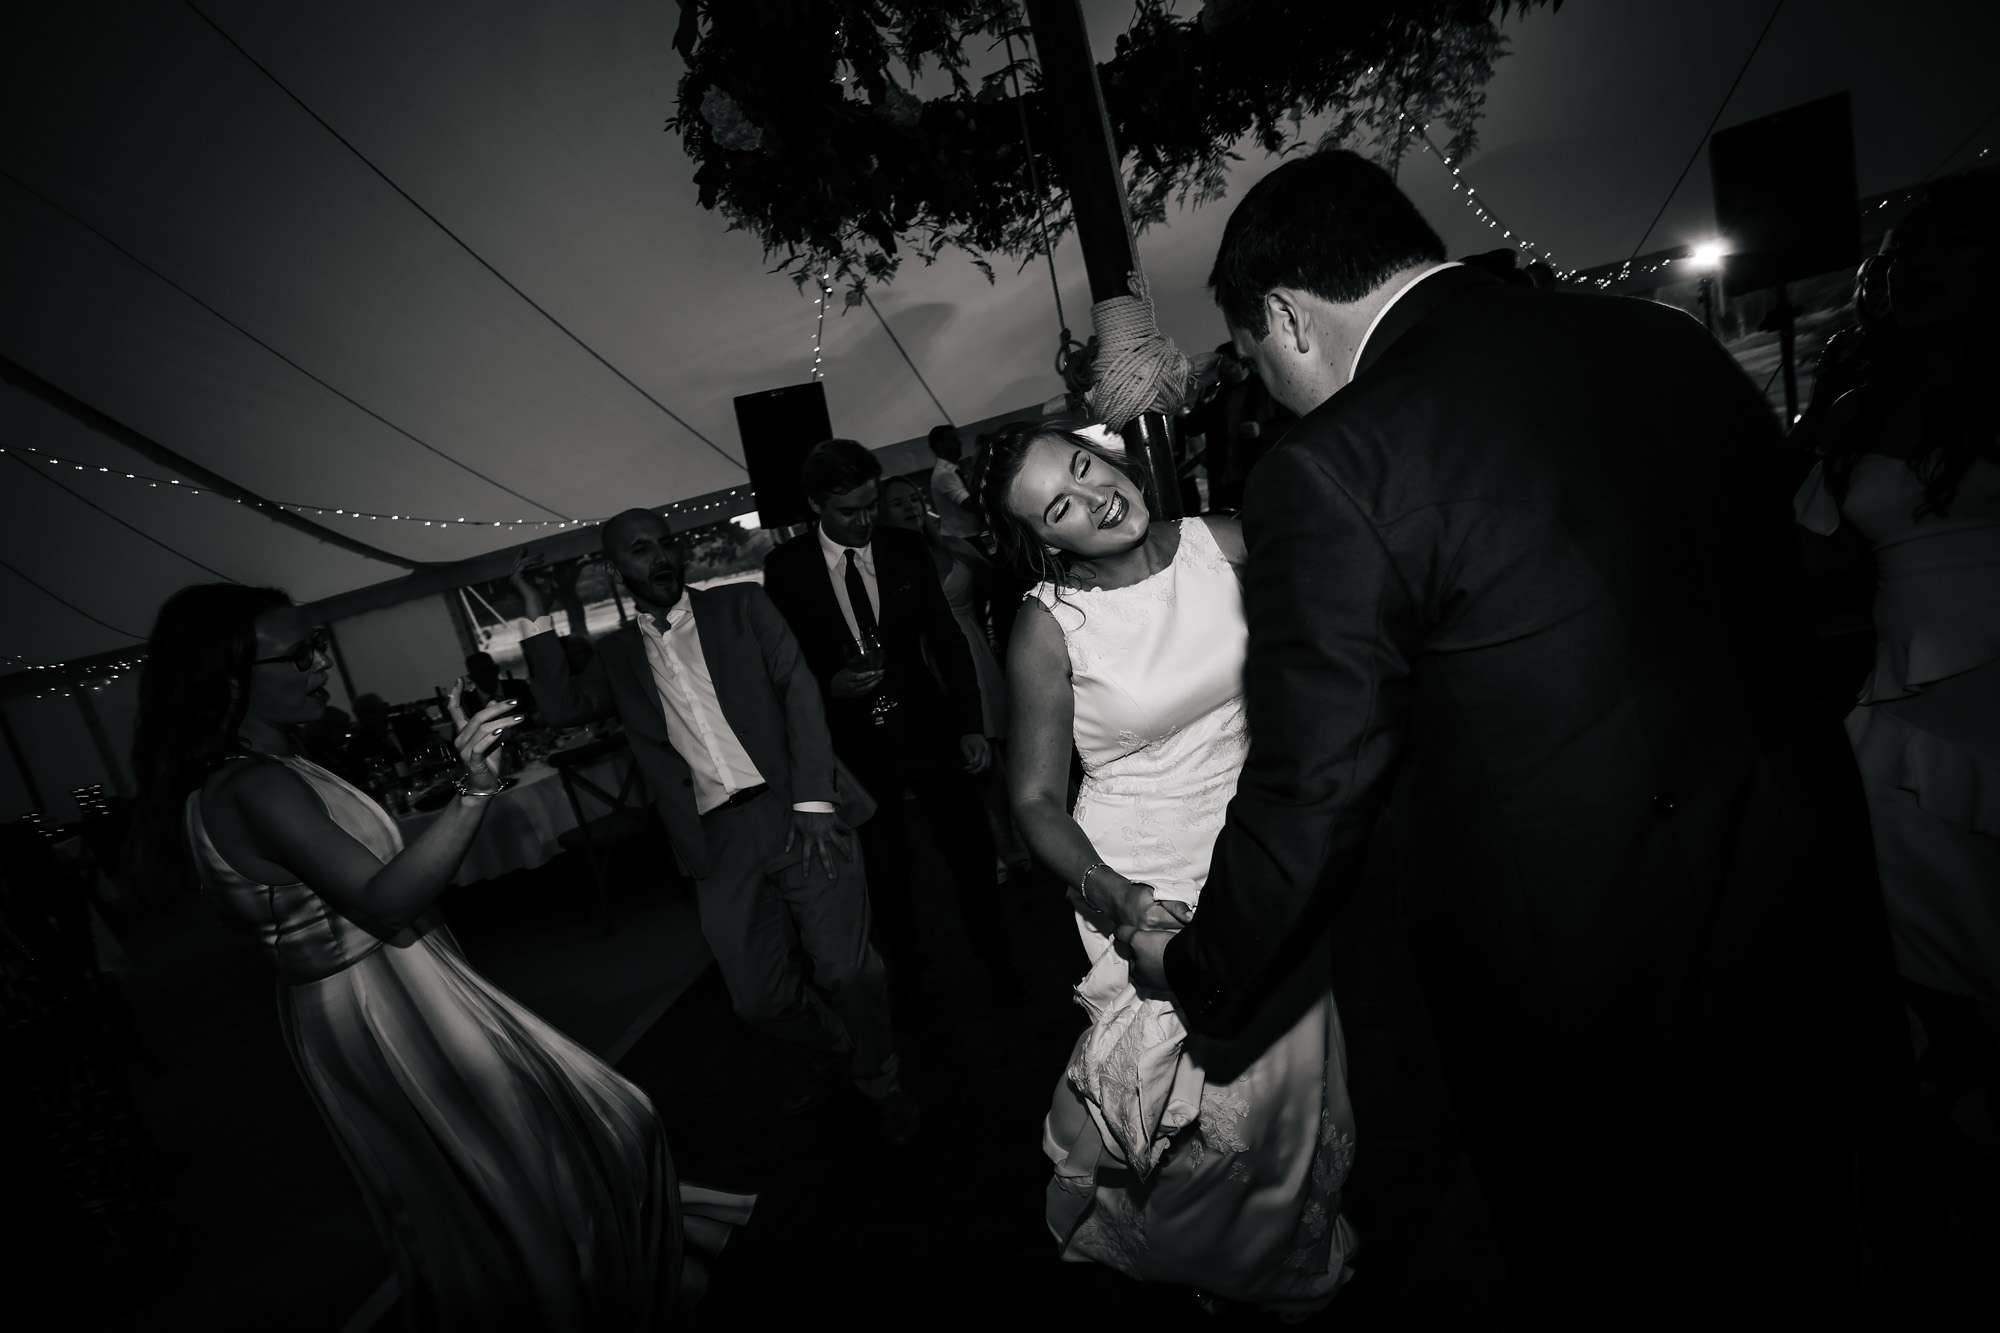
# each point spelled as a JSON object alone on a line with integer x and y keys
{"x": 1785, "y": 204}
{"x": 779, "y": 427}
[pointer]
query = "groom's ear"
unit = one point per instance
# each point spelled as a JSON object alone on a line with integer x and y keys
{"x": 1289, "y": 319}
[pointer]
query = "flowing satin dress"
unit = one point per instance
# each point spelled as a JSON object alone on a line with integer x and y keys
{"x": 1216, "y": 1165}
{"x": 1926, "y": 729}
{"x": 516, "y": 1179}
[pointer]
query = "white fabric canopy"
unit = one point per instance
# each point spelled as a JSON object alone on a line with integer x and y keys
{"x": 536, "y": 132}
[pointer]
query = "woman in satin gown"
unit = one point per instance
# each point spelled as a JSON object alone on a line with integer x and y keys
{"x": 1906, "y": 487}
{"x": 516, "y": 1180}
{"x": 959, "y": 566}
{"x": 1215, "y": 1165}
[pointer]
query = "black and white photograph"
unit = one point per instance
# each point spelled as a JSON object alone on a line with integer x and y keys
{"x": 1149, "y": 664}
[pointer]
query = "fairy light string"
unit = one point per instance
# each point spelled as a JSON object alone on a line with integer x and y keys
{"x": 737, "y": 496}
{"x": 1485, "y": 212}
{"x": 819, "y": 322}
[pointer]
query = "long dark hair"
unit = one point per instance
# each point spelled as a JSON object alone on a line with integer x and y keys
{"x": 193, "y": 694}
{"x": 993, "y": 472}
{"x": 1873, "y": 360}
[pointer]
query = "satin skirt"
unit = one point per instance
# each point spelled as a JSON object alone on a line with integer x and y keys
{"x": 516, "y": 1179}
{"x": 1220, "y": 1166}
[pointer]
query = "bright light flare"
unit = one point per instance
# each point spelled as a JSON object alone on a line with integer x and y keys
{"x": 1708, "y": 255}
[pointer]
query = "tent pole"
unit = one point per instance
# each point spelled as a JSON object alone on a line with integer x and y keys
{"x": 1089, "y": 160}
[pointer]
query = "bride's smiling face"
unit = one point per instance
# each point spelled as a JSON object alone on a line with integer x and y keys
{"x": 1075, "y": 501}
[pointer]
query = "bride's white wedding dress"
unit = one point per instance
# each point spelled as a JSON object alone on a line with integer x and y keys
{"x": 1186, "y": 1162}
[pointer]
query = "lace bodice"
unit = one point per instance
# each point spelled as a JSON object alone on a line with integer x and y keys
{"x": 1157, "y": 677}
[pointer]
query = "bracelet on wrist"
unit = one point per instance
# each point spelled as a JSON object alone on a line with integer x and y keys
{"x": 465, "y": 788}
{"x": 1083, "y": 885}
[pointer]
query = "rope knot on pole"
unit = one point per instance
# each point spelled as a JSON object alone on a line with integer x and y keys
{"x": 1139, "y": 369}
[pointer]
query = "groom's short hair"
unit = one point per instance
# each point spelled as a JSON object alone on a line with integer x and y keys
{"x": 1333, "y": 224}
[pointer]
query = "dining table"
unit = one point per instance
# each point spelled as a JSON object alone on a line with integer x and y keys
{"x": 524, "y": 825}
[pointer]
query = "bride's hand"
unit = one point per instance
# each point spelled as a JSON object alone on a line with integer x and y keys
{"x": 1126, "y": 905}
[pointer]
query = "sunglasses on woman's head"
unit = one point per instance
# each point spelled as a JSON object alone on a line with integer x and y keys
{"x": 317, "y": 644}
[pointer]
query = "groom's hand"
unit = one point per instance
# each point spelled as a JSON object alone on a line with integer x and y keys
{"x": 1146, "y": 951}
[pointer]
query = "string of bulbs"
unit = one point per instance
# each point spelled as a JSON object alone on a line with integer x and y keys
{"x": 819, "y": 323}
{"x": 734, "y": 496}
{"x": 1494, "y": 222}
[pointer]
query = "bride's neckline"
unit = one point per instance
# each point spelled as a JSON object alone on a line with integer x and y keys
{"x": 1173, "y": 558}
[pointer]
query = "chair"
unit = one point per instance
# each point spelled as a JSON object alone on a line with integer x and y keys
{"x": 628, "y": 813}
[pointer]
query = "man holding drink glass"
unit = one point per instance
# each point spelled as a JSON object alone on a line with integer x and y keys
{"x": 868, "y": 610}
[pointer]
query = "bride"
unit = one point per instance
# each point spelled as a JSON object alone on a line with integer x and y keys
{"x": 1215, "y": 1165}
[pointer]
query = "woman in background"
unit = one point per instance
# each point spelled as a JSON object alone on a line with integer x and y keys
{"x": 515, "y": 1178}
{"x": 1906, "y": 488}
{"x": 962, "y": 569}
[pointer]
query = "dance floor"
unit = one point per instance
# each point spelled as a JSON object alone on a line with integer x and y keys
{"x": 268, "y": 1232}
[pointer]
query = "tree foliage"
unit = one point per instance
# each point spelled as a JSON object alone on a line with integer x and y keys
{"x": 804, "y": 130}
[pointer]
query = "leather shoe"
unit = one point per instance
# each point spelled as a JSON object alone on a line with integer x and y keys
{"x": 899, "y": 1118}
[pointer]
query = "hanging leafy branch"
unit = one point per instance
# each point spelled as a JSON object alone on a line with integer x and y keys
{"x": 802, "y": 131}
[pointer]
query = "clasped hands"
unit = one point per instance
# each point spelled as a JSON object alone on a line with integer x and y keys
{"x": 1140, "y": 923}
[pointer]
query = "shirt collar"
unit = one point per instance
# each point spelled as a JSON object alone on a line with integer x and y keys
{"x": 1376, "y": 322}
{"x": 675, "y": 615}
{"x": 833, "y": 550}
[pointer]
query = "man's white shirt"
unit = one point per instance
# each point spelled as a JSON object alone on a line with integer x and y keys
{"x": 696, "y": 727}
{"x": 836, "y": 568}
{"x": 954, "y": 500}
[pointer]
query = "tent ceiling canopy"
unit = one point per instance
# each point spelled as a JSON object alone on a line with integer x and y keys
{"x": 423, "y": 260}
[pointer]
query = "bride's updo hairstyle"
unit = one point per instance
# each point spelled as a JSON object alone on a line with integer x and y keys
{"x": 998, "y": 463}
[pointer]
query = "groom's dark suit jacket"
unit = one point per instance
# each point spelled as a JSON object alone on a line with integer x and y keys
{"x": 1528, "y": 583}
{"x": 767, "y": 693}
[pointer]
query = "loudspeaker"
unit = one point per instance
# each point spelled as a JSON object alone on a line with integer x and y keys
{"x": 1784, "y": 195}
{"x": 779, "y": 427}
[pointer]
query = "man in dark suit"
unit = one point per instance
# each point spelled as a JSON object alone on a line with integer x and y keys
{"x": 725, "y": 721}
{"x": 842, "y": 582}
{"x": 1521, "y": 577}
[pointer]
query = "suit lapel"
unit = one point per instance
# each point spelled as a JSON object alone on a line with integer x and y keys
{"x": 723, "y": 650}
{"x": 625, "y": 663}
{"x": 818, "y": 580}
{"x": 892, "y": 584}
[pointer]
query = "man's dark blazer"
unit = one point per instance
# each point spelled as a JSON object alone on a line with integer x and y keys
{"x": 913, "y": 615}
{"x": 767, "y": 694}
{"x": 1529, "y": 583}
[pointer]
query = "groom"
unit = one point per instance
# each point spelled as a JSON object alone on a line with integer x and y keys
{"x": 1519, "y": 577}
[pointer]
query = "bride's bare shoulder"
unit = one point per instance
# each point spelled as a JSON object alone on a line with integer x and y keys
{"x": 1037, "y": 650}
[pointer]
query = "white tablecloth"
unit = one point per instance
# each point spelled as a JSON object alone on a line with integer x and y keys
{"x": 522, "y": 825}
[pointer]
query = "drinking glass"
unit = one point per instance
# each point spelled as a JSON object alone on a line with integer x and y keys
{"x": 867, "y": 655}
